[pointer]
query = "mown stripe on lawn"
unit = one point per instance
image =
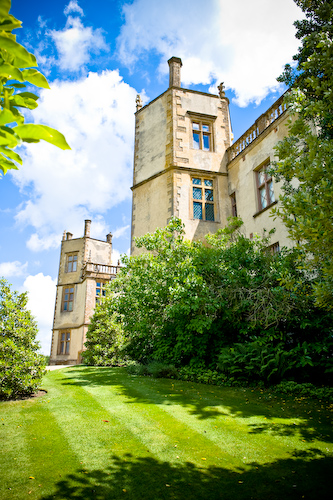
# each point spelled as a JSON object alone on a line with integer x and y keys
{"x": 43, "y": 458}
{"x": 171, "y": 431}
{"x": 225, "y": 430}
{"x": 142, "y": 430}
{"x": 90, "y": 429}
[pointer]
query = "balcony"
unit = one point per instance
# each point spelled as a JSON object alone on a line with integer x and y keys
{"x": 261, "y": 124}
{"x": 102, "y": 271}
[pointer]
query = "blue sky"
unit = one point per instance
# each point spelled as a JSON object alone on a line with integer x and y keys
{"x": 97, "y": 56}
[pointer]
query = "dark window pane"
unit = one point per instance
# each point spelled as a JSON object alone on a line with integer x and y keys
{"x": 197, "y": 193}
{"x": 208, "y": 182}
{"x": 67, "y": 347}
{"x": 197, "y": 210}
{"x": 209, "y": 195}
{"x": 209, "y": 209}
{"x": 196, "y": 181}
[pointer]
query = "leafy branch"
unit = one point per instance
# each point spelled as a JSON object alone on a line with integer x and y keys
{"x": 17, "y": 68}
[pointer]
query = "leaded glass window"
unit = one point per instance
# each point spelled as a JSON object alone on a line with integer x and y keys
{"x": 203, "y": 199}
{"x": 265, "y": 187}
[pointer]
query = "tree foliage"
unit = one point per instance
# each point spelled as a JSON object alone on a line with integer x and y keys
{"x": 17, "y": 69}
{"x": 183, "y": 303}
{"x": 105, "y": 338}
{"x": 21, "y": 367}
{"x": 305, "y": 157}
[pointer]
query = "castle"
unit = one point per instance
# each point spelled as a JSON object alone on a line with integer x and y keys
{"x": 185, "y": 165}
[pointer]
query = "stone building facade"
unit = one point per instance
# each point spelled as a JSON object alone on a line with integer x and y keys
{"x": 185, "y": 164}
{"x": 85, "y": 266}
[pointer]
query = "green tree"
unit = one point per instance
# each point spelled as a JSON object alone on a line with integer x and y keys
{"x": 21, "y": 367}
{"x": 305, "y": 157}
{"x": 105, "y": 338}
{"x": 182, "y": 302}
{"x": 17, "y": 68}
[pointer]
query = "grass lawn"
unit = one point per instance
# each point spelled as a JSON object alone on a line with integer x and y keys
{"x": 100, "y": 433}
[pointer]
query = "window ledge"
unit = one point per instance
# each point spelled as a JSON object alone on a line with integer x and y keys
{"x": 264, "y": 209}
{"x": 204, "y": 220}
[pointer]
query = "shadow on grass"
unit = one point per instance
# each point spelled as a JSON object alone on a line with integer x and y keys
{"x": 149, "y": 479}
{"x": 205, "y": 401}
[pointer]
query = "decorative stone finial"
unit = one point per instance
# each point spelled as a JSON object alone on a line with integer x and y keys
{"x": 138, "y": 102}
{"x": 221, "y": 88}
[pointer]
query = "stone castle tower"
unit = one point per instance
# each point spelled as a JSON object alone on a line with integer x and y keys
{"x": 179, "y": 170}
{"x": 85, "y": 266}
{"x": 185, "y": 164}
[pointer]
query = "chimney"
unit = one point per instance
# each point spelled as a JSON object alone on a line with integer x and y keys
{"x": 109, "y": 238}
{"x": 69, "y": 236}
{"x": 87, "y": 224}
{"x": 175, "y": 63}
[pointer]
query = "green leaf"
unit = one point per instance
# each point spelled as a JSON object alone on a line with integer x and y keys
{"x": 6, "y": 117}
{"x": 10, "y": 23}
{"x": 36, "y": 78}
{"x": 15, "y": 86}
{"x": 22, "y": 58}
{"x": 19, "y": 118}
{"x": 6, "y": 165}
{"x": 8, "y": 137}
{"x": 11, "y": 154}
{"x": 24, "y": 101}
{"x": 4, "y": 8}
{"x": 35, "y": 133}
{"x": 11, "y": 72}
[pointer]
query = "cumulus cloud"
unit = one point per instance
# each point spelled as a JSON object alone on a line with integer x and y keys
{"x": 15, "y": 268}
{"x": 96, "y": 115}
{"x": 73, "y": 6}
{"x": 76, "y": 44}
{"x": 121, "y": 231}
{"x": 41, "y": 299}
{"x": 244, "y": 44}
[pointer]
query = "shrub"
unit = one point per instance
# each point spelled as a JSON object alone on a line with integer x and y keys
{"x": 104, "y": 344}
{"x": 21, "y": 367}
{"x": 161, "y": 370}
{"x": 304, "y": 390}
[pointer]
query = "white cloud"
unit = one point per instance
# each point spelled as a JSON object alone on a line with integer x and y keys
{"x": 15, "y": 268}
{"x": 38, "y": 244}
{"x": 73, "y": 6}
{"x": 96, "y": 115}
{"x": 76, "y": 44}
{"x": 245, "y": 44}
{"x": 41, "y": 299}
{"x": 115, "y": 256}
{"x": 121, "y": 231}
